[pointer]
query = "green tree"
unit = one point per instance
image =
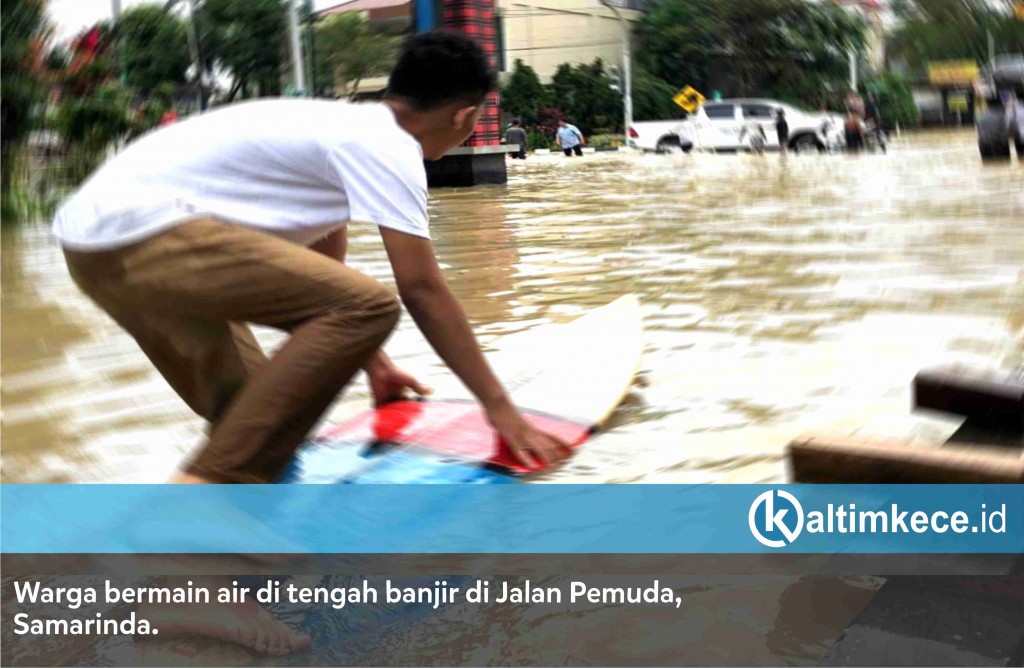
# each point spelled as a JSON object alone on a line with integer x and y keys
{"x": 24, "y": 30}
{"x": 94, "y": 121}
{"x": 94, "y": 111}
{"x": 154, "y": 47}
{"x": 652, "y": 98}
{"x": 683, "y": 41}
{"x": 809, "y": 53}
{"x": 584, "y": 94}
{"x": 348, "y": 51}
{"x": 792, "y": 49}
{"x": 524, "y": 95}
{"x": 894, "y": 98}
{"x": 246, "y": 38}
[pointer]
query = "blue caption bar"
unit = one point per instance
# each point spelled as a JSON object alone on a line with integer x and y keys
{"x": 523, "y": 519}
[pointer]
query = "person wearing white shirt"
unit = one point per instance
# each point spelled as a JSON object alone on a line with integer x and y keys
{"x": 239, "y": 216}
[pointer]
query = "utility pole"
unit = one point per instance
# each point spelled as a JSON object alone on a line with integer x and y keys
{"x": 310, "y": 19}
{"x": 627, "y": 77}
{"x": 197, "y": 57}
{"x": 193, "y": 49}
{"x": 293, "y": 31}
{"x": 853, "y": 69}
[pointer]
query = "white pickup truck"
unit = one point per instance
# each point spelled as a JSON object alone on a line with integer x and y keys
{"x": 718, "y": 126}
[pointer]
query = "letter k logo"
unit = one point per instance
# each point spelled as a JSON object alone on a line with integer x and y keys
{"x": 774, "y": 520}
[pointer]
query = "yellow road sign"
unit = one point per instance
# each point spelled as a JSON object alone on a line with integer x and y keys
{"x": 688, "y": 98}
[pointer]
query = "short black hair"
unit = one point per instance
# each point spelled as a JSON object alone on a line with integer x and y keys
{"x": 516, "y": 122}
{"x": 439, "y": 67}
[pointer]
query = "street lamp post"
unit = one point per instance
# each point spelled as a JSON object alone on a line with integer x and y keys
{"x": 853, "y": 68}
{"x": 298, "y": 70}
{"x": 627, "y": 83}
{"x": 193, "y": 49}
{"x": 115, "y": 10}
{"x": 197, "y": 57}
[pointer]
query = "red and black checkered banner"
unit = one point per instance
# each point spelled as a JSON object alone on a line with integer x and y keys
{"x": 475, "y": 18}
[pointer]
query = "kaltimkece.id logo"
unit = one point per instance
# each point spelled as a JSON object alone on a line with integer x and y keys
{"x": 777, "y": 519}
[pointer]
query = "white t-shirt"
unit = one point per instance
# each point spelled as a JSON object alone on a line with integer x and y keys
{"x": 295, "y": 168}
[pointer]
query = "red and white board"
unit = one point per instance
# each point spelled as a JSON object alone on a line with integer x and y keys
{"x": 567, "y": 378}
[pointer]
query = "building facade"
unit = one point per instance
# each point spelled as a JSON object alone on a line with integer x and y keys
{"x": 546, "y": 33}
{"x": 542, "y": 33}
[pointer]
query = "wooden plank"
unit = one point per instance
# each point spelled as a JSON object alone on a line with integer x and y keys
{"x": 990, "y": 399}
{"x": 823, "y": 458}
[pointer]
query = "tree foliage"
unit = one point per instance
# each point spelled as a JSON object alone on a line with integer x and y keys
{"x": 584, "y": 94}
{"x": 245, "y": 38}
{"x": 894, "y": 98}
{"x": 94, "y": 111}
{"x": 348, "y": 51}
{"x": 652, "y": 97}
{"x": 524, "y": 95}
{"x": 681, "y": 42}
{"x": 154, "y": 47}
{"x": 791, "y": 49}
{"x": 24, "y": 32}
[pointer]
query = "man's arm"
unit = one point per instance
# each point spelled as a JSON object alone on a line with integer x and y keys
{"x": 440, "y": 317}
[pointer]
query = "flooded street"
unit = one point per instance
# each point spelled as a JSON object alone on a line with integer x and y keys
{"x": 780, "y": 295}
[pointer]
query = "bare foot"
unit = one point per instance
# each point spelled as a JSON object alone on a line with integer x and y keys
{"x": 247, "y": 624}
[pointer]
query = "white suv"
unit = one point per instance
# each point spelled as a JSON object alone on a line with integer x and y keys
{"x": 718, "y": 125}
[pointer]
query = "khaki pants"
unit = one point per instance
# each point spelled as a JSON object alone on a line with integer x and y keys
{"x": 185, "y": 295}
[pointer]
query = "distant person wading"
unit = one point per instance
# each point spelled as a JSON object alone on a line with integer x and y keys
{"x": 517, "y": 135}
{"x": 854, "y": 124}
{"x": 782, "y": 129}
{"x": 569, "y": 139}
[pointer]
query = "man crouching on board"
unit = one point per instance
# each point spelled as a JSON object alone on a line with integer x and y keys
{"x": 238, "y": 216}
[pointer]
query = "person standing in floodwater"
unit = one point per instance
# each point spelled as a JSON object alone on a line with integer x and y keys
{"x": 517, "y": 135}
{"x": 782, "y": 129}
{"x": 854, "y": 125}
{"x": 753, "y": 133}
{"x": 854, "y": 130}
{"x": 876, "y": 126}
{"x": 569, "y": 138}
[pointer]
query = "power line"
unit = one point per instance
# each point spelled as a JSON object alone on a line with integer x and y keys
{"x": 567, "y": 47}
{"x": 549, "y": 13}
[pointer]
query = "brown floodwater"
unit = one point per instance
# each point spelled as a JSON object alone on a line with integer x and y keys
{"x": 780, "y": 295}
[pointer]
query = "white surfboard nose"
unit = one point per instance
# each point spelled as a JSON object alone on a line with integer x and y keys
{"x": 579, "y": 370}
